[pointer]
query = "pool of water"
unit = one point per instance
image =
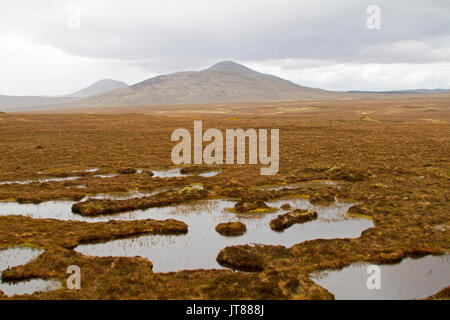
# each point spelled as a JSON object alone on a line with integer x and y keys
{"x": 17, "y": 256}
{"x": 314, "y": 183}
{"x": 409, "y": 279}
{"x": 62, "y": 209}
{"x": 171, "y": 173}
{"x": 157, "y": 173}
{"x": 86, "y": 170}
{"x": 39, "y": 180}
{"x": 29, "y": 286}
{"x": 199, "y": 247}
{"x": 167, "y": 173}
{"x": 78, "y": 186}
{"x": 134, "y": 194}
{"x": 209, "y": 174}
{"x": 105, "y": 175}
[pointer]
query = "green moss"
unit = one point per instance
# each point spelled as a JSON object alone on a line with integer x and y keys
{"x": 359, "y": 215}
{"x": 294, "y": 196}
{"x": 368, "y": 119}
{"x": 30, "y": 245}
{"x": 260, "y": 210}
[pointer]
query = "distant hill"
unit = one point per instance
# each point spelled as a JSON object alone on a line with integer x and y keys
{"x": 25, "y": 103}
{"x": 99, "y": 87}
{"x": 225, "y": 81}
{"x": 412, "y": 91}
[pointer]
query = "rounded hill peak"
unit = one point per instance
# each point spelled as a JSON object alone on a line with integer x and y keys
{"x": 229, "y": 66}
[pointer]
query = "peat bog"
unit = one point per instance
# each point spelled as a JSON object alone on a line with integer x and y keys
{"x": 139, "y": 231}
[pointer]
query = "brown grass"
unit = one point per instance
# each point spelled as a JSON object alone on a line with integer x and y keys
{"x": 231, "y": 228}
{"x": 396, "y": 168}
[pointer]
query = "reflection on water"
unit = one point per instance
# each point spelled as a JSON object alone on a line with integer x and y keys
{"x": 209, "y": 174}
{"x": 306, "y": 184}
{"x": 133, "y": 194}
{"x": 17, "y": 256}
{"x": 78, "y": 186}
{"x": 106, "y": 175}
{"x": 46, "y": 210}
{"x": 176, "y": 173}
{"x": 409, "y": 279}
{"x": 199, "y": 248}
{"x": 167, "y": 173}
{"x": 29, "y": 286}
{"x": 157, "y": 173}
{"x": 39, "y": 180}
{"x": 62, "y": 210}
{"x": 86, "y": 170}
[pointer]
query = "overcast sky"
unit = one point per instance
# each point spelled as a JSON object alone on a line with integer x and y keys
{"x": 46, "y": 49}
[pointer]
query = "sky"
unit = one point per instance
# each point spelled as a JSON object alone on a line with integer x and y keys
{"x": 55, "y": 47}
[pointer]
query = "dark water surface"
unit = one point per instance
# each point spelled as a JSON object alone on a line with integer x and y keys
{"x": 199, "y": 248}
{"x": 409, "y": 279}
{"x": 17, "y": 256}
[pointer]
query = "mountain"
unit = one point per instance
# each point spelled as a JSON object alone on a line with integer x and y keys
{"x": 25, "y": 103}
{"x": 225, "y": 81}
{"x": 411, "y": 91}
{"x": 99, "y": 87}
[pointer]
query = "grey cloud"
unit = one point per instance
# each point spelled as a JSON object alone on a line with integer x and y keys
{"x": 323, "y": 43}
{"x": 139, "y": 32}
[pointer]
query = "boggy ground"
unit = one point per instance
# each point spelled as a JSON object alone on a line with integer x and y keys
{"x": 392, "y": 157}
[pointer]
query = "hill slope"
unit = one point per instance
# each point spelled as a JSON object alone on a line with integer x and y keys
{"x": 25, "y": 103}
{"x": 99, "y": 87}
{"x": 224, "y": 82}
